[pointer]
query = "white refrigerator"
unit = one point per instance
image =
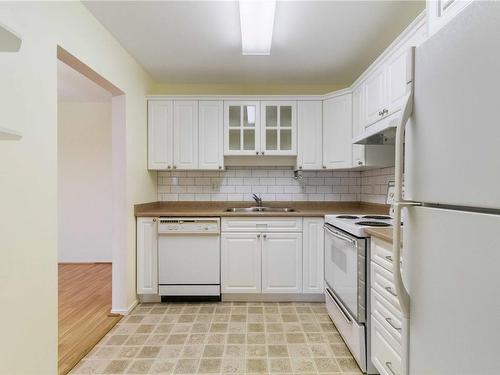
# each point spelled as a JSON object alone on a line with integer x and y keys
{"x": 450, "y": 288}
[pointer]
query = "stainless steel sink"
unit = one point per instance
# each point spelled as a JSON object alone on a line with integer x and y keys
{"x": 260, "y": 209}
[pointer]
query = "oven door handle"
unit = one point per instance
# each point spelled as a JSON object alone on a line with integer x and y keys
{"x": 339, "y": 307}
{"x": 338, "y": 235}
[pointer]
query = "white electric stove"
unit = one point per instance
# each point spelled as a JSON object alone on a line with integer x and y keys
{"x": 356, "y": 224}
{"x": 346, "y": 260}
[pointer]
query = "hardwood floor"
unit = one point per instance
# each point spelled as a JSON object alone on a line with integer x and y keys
{"x": 84, "y": 310}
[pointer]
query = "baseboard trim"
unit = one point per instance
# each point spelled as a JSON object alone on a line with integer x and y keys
{"x": 125, "y": 312}
{"x": 84, "y": 263}
{"x": 278, "y": 297}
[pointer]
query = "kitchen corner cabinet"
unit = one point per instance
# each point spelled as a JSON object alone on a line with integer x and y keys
{"x": 241, "y": 264}
{"x": 242, "y": 128}
{"x": 185, "y": 134}
{"x": 282, "y": 263}
{"x": 313, "y": 255}
{"x": 160, "y": 130}
{"x": 310, "y": 134}
{"x": 211, "y": 134}
{"x": 278, "y": 128}
{"x": 337, "y": 132}
{"x": 147, "y": 254}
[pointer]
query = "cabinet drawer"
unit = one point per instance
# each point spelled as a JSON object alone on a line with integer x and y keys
{"x": 252, "y": 224}
{"x": 384, "y": 350}
{"x": 383, "y": 282}
{"x": 381, "y": 253}
{"x": 387, "y": 315}
{"x": 352, "y": 333}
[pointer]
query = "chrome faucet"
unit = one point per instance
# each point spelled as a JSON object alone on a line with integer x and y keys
{"x": 258, "y": 200}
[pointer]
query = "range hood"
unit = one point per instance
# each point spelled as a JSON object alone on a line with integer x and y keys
{"x": 382, "y": 132}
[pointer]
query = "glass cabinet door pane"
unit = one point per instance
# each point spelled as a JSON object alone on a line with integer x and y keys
{"x": 249, "y": 114}
{"x": 286, "y": 116}
{"x": 234, "y": 116}
{"x": 285, "y": 139}
{"x": 249, "y": 139}
{"x": 234, "y": 139}
{"x": 271, "y": 116}
{"x": 271, "y": 139}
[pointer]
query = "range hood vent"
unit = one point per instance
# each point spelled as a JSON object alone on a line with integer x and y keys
{"x": 382, "y": 132}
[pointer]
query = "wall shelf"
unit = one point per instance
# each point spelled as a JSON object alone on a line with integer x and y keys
{"x": 9, "y": 40}
{"x": 9, "y": 135}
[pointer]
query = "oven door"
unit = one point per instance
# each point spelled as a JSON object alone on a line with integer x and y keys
{"x": 344, "y": 274}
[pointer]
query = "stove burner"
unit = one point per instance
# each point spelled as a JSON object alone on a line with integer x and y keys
{"x": 347, "y": 217}
{"x": 373, "y": 224}
{"x": 377, "y": 217}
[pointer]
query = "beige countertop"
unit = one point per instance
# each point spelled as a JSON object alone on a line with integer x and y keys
{"x": 203, "y": 209}
{"x": 384, "y": 234}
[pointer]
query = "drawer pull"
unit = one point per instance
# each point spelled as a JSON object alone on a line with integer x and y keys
{"x": 389, "y": 258}
{"x": 389, "y": 320}
{"x": 389, "y": 289}
{"x": 389, "y": 366}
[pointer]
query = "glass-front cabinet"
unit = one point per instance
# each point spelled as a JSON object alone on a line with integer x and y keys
{"x": 278, "y": 134}
{"x": 242, "y": 128}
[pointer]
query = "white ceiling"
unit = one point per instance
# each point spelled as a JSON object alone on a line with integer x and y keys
{"x": 314, "y": 42}
{"x": 75, "y": 87}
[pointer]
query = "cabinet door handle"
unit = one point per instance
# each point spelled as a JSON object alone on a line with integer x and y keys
{"x": 265, "y": 236}
{"x": 256, "y": 152}
{"x": 168, "y": 167}
{"x": 154, "y": 220}
{"x": 389, "y": 366}
{"x": 388, "y": 288}
{"x": 258, "y": 236}
{"x": 385, "y": 111}
{"x": 300, "y": 166}
{"x": 389, "y": 320}
{"x": 220, "y": 167}
{"x": 389, "y": 258}
{"x": 380, "y": 113}
{"x": 262, "y": 152}
{"x": 175, "y": 166}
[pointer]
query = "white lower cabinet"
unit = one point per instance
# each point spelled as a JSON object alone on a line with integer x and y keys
{"x": 241, "y": 262}
{"x": 147, "y": 255}
{"x": 386, "y": 322}
{"x": 272, "y": 255}
{"x": 313, "y": 255}
{"x": 281, "y": 263}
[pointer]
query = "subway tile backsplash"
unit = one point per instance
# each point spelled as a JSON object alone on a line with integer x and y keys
{"x": 273, "y": 184}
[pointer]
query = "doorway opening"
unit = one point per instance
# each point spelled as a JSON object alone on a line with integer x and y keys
{"x": 91, "y": 201}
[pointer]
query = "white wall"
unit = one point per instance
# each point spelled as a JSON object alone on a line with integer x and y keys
{"x": 84, "y": 182}
{"x": 28, "y": 170}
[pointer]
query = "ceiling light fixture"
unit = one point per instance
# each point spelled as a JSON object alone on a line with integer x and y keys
{"x": 257, "y": 22}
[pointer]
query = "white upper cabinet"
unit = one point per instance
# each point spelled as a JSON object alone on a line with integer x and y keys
{"x": 310, "y": 134}
{"x": 440, "y": 12}
{"x": 337, "y": 132}
{"x": 282, "y": 263}
{"x": 278, "y": 132}
{"x": 241, "y": 128}
{"x": 160, "y": 118}
{"x": 185, "y": 134}
{"x": 358, "y": 113}
{"x": 211, "y": 134}
{"x": 375, "y": 96}
{"x": 397, "y": 76}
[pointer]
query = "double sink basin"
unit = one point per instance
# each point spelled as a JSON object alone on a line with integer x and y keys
{"x": 260, "y": 209}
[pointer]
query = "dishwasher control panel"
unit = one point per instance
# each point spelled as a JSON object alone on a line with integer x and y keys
{"x": 168, "y": 225}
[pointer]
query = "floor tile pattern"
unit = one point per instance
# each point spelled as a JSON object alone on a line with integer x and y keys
{"x": 222, "y": 338}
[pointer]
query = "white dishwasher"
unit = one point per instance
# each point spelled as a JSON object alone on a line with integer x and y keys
{"x": 189, "y": 258}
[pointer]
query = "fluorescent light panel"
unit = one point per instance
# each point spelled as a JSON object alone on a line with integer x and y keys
{"x": 257, "y": 22}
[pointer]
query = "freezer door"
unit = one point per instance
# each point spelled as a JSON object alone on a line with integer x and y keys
{"x": 451, "y": 262}
{"x": 452, "y": 149}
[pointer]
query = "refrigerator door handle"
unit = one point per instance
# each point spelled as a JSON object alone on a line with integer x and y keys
{"x": 399, "y": 203}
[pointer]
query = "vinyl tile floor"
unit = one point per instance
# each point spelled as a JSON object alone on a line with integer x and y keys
{"x": 222, "y": 338}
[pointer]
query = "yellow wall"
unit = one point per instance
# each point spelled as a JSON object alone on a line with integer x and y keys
{"x": 242, "y": 89}
{"x": 28, "y": 169}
